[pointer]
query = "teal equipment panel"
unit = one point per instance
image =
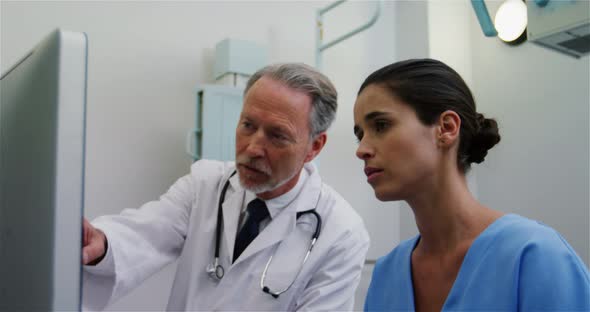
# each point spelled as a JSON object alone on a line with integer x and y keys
{"x": 240, "y": 57}
{"x": 218, "y": 109}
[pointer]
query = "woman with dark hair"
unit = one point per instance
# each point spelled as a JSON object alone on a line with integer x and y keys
{"x": 418, "y": 133}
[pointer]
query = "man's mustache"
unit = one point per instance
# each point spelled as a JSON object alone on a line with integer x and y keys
{"x": 254, "y": 163}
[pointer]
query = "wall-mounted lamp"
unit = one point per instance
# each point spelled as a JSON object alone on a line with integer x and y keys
{"x": 509, "y": 23}
{"x": 563, "y": 26}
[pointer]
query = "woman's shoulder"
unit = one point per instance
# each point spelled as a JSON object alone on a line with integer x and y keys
{"x": 534, "y": 243}
{"x": 524, "y": 231}
{"x": 551, "y": 276}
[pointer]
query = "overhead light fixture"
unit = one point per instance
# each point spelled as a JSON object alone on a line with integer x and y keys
{"x": 511, "y": 21}
{"x": 559, "y": 25}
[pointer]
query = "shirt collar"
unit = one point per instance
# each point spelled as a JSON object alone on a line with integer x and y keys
{"x": 277, "y": 204}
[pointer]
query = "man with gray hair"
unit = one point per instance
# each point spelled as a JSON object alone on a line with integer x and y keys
{"x": 263, "y": 233}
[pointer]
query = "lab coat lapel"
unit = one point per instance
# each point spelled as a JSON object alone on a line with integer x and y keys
{"x": 274, "y": 232}
{"x": 231, "y": 214}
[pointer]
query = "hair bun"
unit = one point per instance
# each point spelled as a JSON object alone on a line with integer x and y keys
{"x": 486, "y": 137}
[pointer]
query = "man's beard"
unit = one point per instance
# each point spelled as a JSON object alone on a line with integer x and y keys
{"x": 261, "y": 166}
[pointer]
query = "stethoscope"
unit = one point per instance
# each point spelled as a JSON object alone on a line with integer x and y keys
{"x": 217, "y": 271}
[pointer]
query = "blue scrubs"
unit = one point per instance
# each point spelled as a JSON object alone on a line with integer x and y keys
{"x": 516, "y": 264}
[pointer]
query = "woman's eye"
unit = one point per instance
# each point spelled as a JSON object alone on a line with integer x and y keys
{"x": 381, "y": 125}
{"x": 359, "y": 137}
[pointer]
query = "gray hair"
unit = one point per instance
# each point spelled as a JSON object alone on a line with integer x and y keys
{"x": 316, "y": 85}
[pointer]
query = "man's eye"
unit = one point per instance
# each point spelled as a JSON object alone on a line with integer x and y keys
{"x": 278, "y": 136}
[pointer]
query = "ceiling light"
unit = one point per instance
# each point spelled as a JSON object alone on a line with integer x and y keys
{"x": 511, "y": 21}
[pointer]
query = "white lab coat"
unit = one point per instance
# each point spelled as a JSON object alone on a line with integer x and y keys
{"x": 182, "y": 225}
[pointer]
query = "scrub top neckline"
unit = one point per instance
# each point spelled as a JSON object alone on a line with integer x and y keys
{"x": 480, "y": 245}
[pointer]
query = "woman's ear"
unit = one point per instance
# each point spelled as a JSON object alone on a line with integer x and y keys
{"x": 449, "y": 124}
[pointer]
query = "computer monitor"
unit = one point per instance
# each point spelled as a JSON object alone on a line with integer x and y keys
{"x": 42, "y": 135}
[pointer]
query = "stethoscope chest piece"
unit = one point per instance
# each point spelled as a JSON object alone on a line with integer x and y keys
{"x": 215, "y": 270}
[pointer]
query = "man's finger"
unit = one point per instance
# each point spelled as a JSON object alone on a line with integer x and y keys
{"x": 93, "y": 250}
{"x": 87, "y": 228}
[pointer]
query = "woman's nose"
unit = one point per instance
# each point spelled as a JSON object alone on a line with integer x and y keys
{"x": 364, "y": 152}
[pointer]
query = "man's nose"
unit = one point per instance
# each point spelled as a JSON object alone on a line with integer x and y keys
{"x": 256, "y": 145}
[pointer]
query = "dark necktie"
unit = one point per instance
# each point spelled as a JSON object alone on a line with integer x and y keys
{"x": 257, "y": 212}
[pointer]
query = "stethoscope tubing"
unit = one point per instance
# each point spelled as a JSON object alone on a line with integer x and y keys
{"x": 220, "y": 217}
{"x": 218, "y": 271}
{"x": 314, "y": 238}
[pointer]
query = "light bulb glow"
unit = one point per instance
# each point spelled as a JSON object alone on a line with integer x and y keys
{"x": 511, "y": 20}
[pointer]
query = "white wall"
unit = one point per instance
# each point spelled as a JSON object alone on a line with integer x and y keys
{"x": 412, "y": 38}
{"x": 541, "y": 100}
{"x": 347, "y": 64}
{"x": 540, "y": 169}
{"x": 444, "y": 28}
{"x": 145, "y": 60}
{"x": 147, "y": 57}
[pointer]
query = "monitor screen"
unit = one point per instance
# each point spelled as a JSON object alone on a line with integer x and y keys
{"x": 42, "y": 135}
